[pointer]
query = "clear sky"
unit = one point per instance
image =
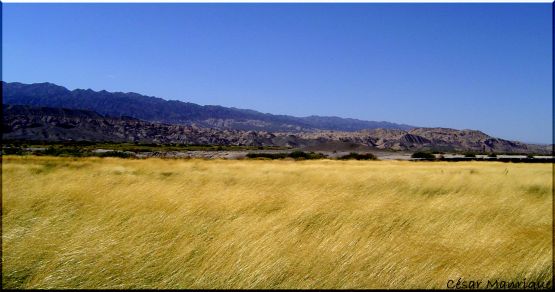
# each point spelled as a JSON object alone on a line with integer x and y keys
{"x": 463, "y": 66}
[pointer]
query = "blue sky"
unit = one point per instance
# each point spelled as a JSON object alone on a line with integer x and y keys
{"x": 463, "y": 66}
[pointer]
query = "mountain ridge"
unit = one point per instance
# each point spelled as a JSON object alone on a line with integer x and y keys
{"x": 21, "y": 122}
{"x": 156, "y": 109}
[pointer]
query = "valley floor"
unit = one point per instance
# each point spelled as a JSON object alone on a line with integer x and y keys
{"x": 153, "y": 223}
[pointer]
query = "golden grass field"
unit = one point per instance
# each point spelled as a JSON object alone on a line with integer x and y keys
{"x": 116, "y": 223}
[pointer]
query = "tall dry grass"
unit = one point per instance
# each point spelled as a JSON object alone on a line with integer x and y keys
{"x": 114, "y": 223}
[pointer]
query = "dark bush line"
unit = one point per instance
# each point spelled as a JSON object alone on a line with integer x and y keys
{"x": 354, "y": 155}
{"x": 471, "y": 156}
{"x": 300, "y": 155}
{"x": 51, "y": 151}
{"x": 297, "y": 155}
{"x": 115, "y": 154}
{"x": 304, "y": 155}
{"x": 12, "y": 151}
{"x": 267, "y": 155}
{"x": 423, "y": 155}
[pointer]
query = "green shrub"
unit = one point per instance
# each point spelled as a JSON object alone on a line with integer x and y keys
{"x": 267, "y": 155}
{"x": 12, "y": 150}
{"x": 423, "y": 155}
{"x": 52, "y": 151}
{"x": 354, "y": 155}
{"x": 304, "y": 155}
{"x": 115, "y": 154}
{"x": 298, "y": 155}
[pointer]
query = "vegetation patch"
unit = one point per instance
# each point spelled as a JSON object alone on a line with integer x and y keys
{"x": 12, "y": 151}
{"x": 119, "y": 154}
{"x": 537, "y": 189}
{"x": 357, "y": 156}
{"x": 323, "y": 224}
{"x": 297, "y": 155}
{"x": 167, "y": 173}
{"x": 267, "y": 155}
{"x": 423, "y": 155}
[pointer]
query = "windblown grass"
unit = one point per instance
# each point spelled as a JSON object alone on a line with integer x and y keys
{"x": 115, "y": 223}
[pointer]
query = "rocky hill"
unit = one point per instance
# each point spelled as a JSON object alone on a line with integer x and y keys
{"x": 155, "y": 109}
{"x": 58, "y": 124}
{"x": 436, "y": 139}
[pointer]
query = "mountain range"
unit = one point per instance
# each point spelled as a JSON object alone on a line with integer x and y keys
{"x": 48, "y": 112}
{"x": 22, "y": 122}
{"x": 154, "y": 109}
